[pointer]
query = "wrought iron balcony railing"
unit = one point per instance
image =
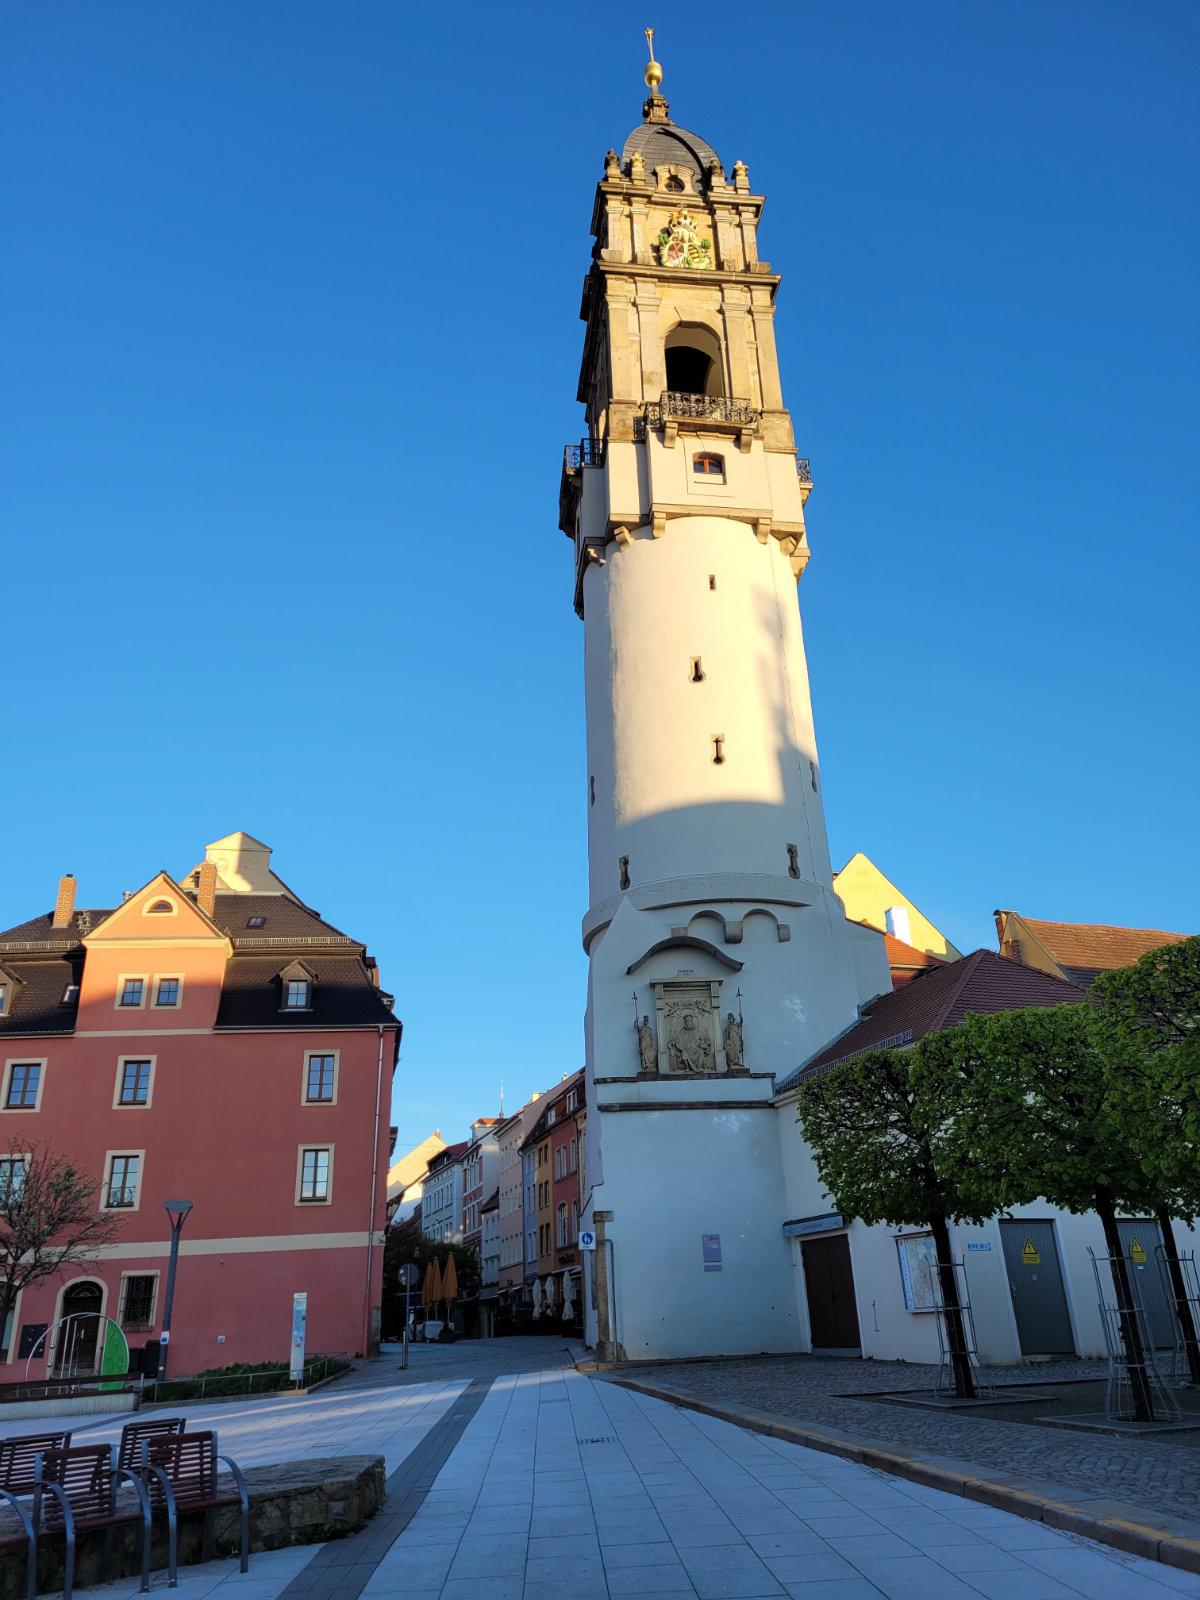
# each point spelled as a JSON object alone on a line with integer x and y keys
{"x": 804, "y": 470}
{"x": 673, "y": 407}
{"x": 587, "y": 453}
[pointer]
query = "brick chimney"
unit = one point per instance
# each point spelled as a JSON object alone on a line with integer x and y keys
{"x": 64, "y": 905}
{"x": 206, "y": 888}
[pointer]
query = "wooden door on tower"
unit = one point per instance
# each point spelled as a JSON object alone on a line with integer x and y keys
{"x": 829, "y": 1285}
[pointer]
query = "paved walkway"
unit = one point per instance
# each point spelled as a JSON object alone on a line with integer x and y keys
{"x": 1156, "y": 1474}
{"x": 561, "y": 1487}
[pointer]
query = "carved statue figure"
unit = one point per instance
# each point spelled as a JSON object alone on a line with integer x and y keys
{"x": 647, "y": 1046}
{"x": 690, "y": 1047}
{"x": 733, "y": 1043}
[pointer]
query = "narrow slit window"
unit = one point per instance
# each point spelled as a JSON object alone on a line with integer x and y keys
{"x": 697, "y": 673}
{"x": 718, "y": 754}
{"x": 712, "y": 580}
{"x": 592, "y": 791}
{"x": 793, "y": 861}
{"x": 624, "y": 867}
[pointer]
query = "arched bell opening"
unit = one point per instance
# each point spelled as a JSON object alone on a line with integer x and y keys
{"x": 693, "y": 361}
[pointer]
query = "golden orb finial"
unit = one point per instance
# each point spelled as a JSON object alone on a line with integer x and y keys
{"x": 654, "y": 72}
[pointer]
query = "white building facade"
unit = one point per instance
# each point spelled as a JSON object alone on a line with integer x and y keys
{"x": 442, "y": 1200}
{"x": 719, "y": 955}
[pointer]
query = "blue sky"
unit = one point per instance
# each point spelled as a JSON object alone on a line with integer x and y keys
{"x": 291, "y": 295}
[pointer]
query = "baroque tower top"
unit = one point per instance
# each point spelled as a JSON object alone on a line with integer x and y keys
{"x": 680, "y": 330}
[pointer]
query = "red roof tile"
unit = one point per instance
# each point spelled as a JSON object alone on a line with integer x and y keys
{"x": 1095, "y": 946}
{"x": 940, "y": 998}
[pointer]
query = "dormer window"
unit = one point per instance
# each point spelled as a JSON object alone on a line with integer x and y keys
{"x": 706, "y": 464}
{"x": 256, "y": 922}
{"x": 296, "y": 994}
{"x": 674, "y": 185}
{"x": 70, "y": 995}
{"x": 5, "y": 996}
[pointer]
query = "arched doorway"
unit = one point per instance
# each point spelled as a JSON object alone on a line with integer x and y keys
{"x": 693, "y": 361}
{"x": 79, "y": 1332}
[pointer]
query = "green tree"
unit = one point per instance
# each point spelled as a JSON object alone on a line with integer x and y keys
{"x": 1029, "y": 1110}
{"x": 50, "y": 1219}
{"x": 875, "y": 1135}
{"x": 1150, "y": 1014}
{"x": 405, "y": 1242}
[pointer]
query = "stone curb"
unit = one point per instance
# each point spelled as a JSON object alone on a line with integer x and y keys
{"x": 1175, "y": 1541}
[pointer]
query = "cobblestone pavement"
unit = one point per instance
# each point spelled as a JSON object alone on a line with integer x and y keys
{"x": 1153, "y": 1473}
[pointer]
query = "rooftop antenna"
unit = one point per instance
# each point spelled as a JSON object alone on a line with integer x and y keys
{"x": 502, "y": 1099}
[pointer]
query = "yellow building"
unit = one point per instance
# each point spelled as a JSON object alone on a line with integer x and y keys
{"x": 870, "y": 897}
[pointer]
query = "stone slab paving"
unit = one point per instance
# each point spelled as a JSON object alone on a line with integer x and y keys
{"x": 570, "y": 1488}
{"x": 567, "y": 1487}
{"x": 1156, "y": 1474}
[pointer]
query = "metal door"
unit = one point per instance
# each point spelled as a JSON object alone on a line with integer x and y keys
{"x": 1035, "y": 1283}
{"x": 829, "y": 1285}
{"x": 1140, "y": 1238}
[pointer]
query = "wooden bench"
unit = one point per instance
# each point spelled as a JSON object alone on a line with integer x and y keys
{"x": 82, "y": 1485}
{"x": 19, "y": 1457}
{"x": 129, "y": 1451}
{"x": 180, "y": 1472}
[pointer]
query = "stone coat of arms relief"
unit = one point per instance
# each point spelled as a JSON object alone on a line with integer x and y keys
{"x": 680, "y": 245}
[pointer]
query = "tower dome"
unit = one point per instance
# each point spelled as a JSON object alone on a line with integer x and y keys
{"x": 660, "y": 143}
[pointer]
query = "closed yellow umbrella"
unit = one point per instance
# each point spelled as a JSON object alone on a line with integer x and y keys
{"x": 431, "y": 1289}
{"x": 450, "y": 1279}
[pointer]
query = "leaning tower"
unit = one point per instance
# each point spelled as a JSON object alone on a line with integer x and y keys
{"x": 719, "y": 955}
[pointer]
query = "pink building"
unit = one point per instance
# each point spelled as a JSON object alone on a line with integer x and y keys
{"x": 216, "y": 1040}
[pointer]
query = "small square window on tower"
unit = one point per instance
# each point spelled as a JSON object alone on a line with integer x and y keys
{"x": 707, "y": 464}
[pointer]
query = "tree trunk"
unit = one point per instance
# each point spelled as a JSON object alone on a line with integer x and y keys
{"x": 956, "y": 1335}
{"x": 1131, "y": 1335}
{"x": 1179, "y": 1297}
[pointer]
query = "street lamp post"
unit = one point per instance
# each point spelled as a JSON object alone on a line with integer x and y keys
{"x": 177, "y": 1211}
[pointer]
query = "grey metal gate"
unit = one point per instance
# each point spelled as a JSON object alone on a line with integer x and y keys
{"x": 1035, "y": 1283}
{"x": 1140, "y": 1238}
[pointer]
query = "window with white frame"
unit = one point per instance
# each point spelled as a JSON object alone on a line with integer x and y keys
{"x": 133, "y": 1084}
{"x": 23, "y": 1087}
{"x": 121, "y": 1184}
{"x": 562, "y": 1224}
{"x": 320, "y": 1079}
{"x": 296, "y": 993}
{"x": 167, "y": 993}
{"x": 316, "y": 1163}
{"x": 12, "y": 1176}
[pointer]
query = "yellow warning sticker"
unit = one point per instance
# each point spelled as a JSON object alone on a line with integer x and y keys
{"x": 1137, "y": 1252}
{"x": 1029, "y": 1254}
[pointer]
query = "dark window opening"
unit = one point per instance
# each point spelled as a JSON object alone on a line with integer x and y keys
{"x": 624, "y": 866}
{"x": 812, "y": 770}
{"x": 712, "y": 580}
{"x": 697, "y": 670}
{"x": 674, "y": 185}
{"x": 139, "y": 1301}
{"x": 718, "y": 749}
{"x": 687, "y": 370}
{"x": 793, "y": 861}
{"x": 591, "y": 791}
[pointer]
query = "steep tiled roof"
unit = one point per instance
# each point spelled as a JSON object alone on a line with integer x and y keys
{"x": 448, "y": 1156}
{"x": 900, "y": 954}
{"x": 1085, "y": 949}
{"x": 342, "y": 993}
{"x": 940, "y": 998}
{"x": 39, "y": 988}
